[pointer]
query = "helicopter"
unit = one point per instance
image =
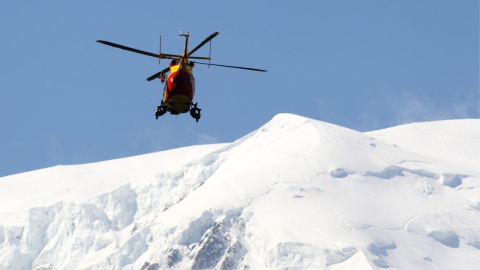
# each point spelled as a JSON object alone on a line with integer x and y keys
{"x": 179, "y": 88}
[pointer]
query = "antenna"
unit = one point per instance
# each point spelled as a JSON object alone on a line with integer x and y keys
{"x": 160, "y": 50}
{"x": 210, "y": 54}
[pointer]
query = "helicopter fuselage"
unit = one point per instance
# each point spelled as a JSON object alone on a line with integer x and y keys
{"x": 179, "y": 89}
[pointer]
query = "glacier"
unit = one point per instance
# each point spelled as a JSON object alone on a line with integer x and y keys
{"x": 297, "y": 193}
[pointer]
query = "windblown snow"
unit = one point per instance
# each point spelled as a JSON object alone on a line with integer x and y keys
{"x": 295, "y": 194}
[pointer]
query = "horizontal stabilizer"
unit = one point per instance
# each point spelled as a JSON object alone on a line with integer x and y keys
{"x": 157, "y": 75}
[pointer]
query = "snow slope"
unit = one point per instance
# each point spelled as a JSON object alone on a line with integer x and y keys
{"x": 295, "y": 194}
{"x": 79, "y": 183}
{"x": 456, "y": 141}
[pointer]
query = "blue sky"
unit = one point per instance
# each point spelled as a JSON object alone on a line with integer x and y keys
{"x": 365, "y": 65}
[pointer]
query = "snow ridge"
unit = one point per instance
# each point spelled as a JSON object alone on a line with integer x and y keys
{"x": 295, "y": 194}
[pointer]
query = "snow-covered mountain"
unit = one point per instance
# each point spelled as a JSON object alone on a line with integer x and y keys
{"x": 295, "y": 194}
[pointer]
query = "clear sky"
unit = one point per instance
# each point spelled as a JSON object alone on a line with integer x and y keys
{"x": 365, "y": 65}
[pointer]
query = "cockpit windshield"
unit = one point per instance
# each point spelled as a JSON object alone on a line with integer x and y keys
{"x": 175, "y": 62}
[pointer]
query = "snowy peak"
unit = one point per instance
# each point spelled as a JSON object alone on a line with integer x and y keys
{"x": 326, "y": 146}
{"x": 296, "y": 193}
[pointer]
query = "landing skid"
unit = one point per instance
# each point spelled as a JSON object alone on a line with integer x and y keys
{"x": 194, "y": 111}
{"x": 161, "y": 110}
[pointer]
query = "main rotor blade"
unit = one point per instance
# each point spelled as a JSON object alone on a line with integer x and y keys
{"x": 156, "y": 75}
{"x": 253, "y": 69}
{"x": 163, "y": 55}
{"x": 203, "y": 43}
